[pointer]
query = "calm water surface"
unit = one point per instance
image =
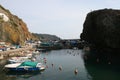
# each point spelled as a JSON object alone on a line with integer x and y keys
{"x": 68, "y": 60}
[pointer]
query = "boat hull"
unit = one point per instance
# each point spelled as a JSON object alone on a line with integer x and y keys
{"x": 25, "y": 69}
{"x": 25, "y": 66}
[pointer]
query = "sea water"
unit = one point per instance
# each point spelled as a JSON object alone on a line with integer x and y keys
{"x": 61, "y": 65}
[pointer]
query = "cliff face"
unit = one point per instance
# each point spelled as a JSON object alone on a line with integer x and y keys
{"x": 102, "y": 29}
{"x": 12, "y": 28}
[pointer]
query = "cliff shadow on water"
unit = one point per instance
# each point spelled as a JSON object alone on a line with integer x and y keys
{"x": 102, "y": 65}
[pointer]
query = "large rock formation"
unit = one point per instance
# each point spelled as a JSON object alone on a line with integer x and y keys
{"x": 102, "y": 29}
{"x": 12, "y": 28}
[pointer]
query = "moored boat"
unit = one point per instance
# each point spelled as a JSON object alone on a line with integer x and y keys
{"x": 25, "y": 66}
{"x": 18, "y": 59}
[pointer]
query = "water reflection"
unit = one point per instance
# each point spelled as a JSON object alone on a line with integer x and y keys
{"x": 70, "y": 64}
{"x": 102, "y": 66}
{"x": 61, "y": 64}
{"x": 24, "y": 75}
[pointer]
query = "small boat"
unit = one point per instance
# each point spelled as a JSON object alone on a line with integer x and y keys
{"x": 18, "y": 59}
{"x": 25, "y": 66}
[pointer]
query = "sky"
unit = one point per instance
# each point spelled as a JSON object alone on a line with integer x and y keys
{"x": 63, "y": 18}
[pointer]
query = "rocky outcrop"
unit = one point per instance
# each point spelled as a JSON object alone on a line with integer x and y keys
{"x": 12, "y": 28}
{"x": 102, "y": 29}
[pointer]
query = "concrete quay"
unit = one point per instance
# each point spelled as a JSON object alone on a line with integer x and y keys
{"x": 16, "y": 52}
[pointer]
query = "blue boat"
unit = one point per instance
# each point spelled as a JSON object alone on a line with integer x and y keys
{"x": 25, "y": 66}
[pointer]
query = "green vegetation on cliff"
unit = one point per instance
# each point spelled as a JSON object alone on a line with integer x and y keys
{"x": 12, "y": 28}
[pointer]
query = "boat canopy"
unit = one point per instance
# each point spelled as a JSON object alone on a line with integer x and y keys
{"x": 29, "y": 63}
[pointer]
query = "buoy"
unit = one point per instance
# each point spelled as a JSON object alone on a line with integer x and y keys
{"x": 52, "y": 65}
{"x": 73, "y": 54}
{"x": 46, "y": 66}
{"x": 60, "y": 68}
{"x": 76, "y": 71}
{"x": 109, "y": 62}
{"x": 97, "y": 60}
{"x": 44, "y": 58}
{"x": 45, "y": 62}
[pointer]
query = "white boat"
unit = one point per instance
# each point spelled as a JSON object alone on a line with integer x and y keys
{"x": 25, "y": 66}
{"x": 18, "y": 59}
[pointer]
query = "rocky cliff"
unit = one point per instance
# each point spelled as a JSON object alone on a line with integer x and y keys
{"x": 12, "y": 28}
{"x": 102, "y": 29}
